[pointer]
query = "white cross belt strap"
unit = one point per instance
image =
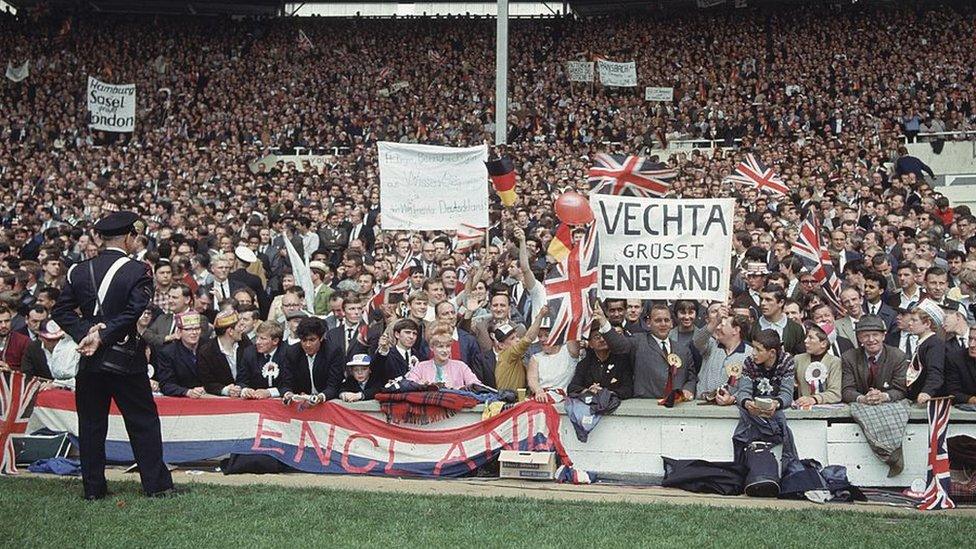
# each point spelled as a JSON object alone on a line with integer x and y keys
{"x": 107, "y": 281}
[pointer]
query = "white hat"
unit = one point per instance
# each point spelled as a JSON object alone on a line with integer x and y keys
{"x": 245, "y": 254}
{"x": 359, "y": 360}
{"x": 933, "y": 310}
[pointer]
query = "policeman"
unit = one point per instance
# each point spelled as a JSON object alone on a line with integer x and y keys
{"x": 101, "y": 301}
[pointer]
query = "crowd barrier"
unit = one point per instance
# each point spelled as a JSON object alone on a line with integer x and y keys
{"x": 628, "y": 444}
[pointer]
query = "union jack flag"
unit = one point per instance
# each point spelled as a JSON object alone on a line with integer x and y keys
{"x": 397, "y": 284}
{"x": 16, "y": 403}
{"x": 812, "y": 250}
{"x": 936, "y": 494}
{"x": 753, "y": 173}
{"x": 629, "y": 175}
{"x": 469, "y": 236}
{"x": 571, "y": 289}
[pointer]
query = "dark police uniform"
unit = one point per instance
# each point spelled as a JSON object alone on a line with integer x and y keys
{"x": 117, "y": 370}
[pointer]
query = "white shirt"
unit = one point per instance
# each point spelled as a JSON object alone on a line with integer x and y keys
{"x": 311, "y": 376}
{"x": 407, "y": 354}
{"x": 667, "y": 344}
{"x": 769, "y": 325}
{"x": 912, "y": 338}
{"x": 231, "y": 356}
{"x": 906, "y": 300}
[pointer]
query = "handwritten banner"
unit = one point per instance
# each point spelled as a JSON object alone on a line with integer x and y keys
{"x": 658, "y": 94}
{"x": 617, "y": 74}
{"x": 579, "y": 71}
{"x": 426, "y": 187}
{"x": 111, "y": 108}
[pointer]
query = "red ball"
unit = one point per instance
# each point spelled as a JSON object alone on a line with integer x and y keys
{"x": 573, "y": 208}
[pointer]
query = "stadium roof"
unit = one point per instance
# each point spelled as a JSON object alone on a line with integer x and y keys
{"x": 281, "y": 7}
{"x": 186, "y": 7}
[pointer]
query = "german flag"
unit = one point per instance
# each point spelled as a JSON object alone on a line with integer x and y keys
{"x": 561, "y": 243}
{"x": 501, "y": 171}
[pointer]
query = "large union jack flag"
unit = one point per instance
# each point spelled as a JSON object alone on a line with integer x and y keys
{"x": 16, "y": 403}
{"x": 751, "y": 172}
{"x": 812, "y": 250}
{"x": 936, "y": 494}
{"x": 630, "y": 175}
{"x": 571, "y": 289}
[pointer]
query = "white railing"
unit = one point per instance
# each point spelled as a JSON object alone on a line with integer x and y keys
{"x": 957, "y": 135}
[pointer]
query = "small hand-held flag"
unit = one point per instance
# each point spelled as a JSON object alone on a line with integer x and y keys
{"x": 397, "y": 284}
{"x": 468, "y": 236}
{"x": 303, "y": 41}
{"x": 561, "y": 243}
{"x": 501, "y": 171}
{"x": 812, "y": 251}
{"x": 16, "y": 403}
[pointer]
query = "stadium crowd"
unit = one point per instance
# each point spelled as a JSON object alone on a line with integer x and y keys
{"x": 827, "y": 98}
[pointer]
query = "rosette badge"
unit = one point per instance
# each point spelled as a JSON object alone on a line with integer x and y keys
{"x": 270, "y": 372}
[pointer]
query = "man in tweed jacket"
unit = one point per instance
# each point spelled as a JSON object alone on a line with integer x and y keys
{"x": 875, "y": 372}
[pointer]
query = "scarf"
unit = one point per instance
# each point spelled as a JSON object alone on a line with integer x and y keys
{"x": 422, "y": 408}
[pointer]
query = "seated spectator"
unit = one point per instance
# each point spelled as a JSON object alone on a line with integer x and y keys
{"x": 359, "y": 384}
{"x": 259, "y": 371}
{"x": 600, "y": 369}
{"x": 764, "y": 390}
{"x": 961, "y": 372}
{"x": 550, "y": 370}
{"x": 393, "y": 361}
{"x": 250, "y": 317}
{"x": 12, "y": 344}
{"x": 818, "y": 372}
{"x": 956, "y": 329}
{"x": 724, "y": 350}
{"x": 875, "y": 372}
{"x": 39, "y": 356}
{"x": 464, "y": 346}
{"x": 823, "y": 316}
{"x": 162, "y": 330}
{"x": 176, "y": 363}
{"x": 218, "y": 358}
{"x": 35, "y": 317}
{"x": 441, "y": 369}
{"x": 306, "y": 370}
{"x": 926, "y": 367}
{"x": 290, "y": 327}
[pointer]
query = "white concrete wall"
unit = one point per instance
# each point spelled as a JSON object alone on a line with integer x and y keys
{"x": 957, "y": 157}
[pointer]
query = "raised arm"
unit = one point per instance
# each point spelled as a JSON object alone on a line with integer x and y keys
{"x": 528, "y": 279}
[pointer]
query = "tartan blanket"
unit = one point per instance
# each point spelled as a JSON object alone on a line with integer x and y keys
{"x": 884, "y": 427}
{"x": 423, "y": 407}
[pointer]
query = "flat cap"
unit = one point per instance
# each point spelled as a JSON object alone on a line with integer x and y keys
{"x": 870, "y": 323}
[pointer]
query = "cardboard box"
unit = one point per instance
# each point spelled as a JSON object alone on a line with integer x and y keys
{"x": 527, "y": 465}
